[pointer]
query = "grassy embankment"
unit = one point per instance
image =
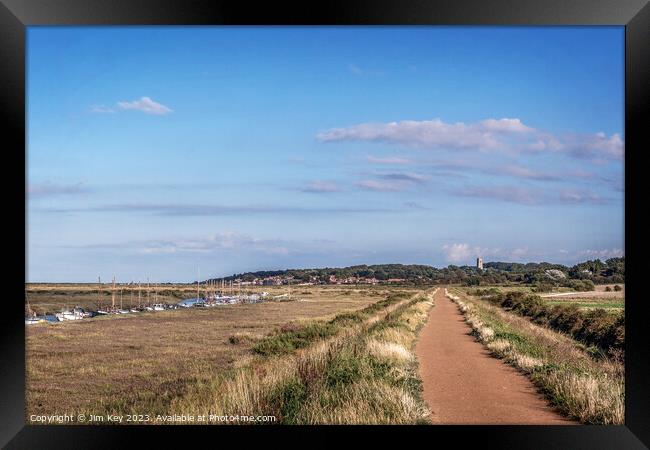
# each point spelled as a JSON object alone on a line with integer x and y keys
{"x": 140, "y": 362}
{"x": 357, "y": 368}
{"x": 583, "y": 387}
{"x": 598, "y": 328}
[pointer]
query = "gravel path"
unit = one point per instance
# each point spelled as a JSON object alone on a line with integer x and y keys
{"x": 464, "y": 384}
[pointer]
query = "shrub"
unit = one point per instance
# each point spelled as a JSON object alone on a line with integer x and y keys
{"x": 567, "y": 318}
{"x": 588, "y": 285}
{"x": 579, "y": 285}
{"x": 291, "y": 338}
{"x": 289, "y": 399}
{"x": 597, "y": 327}
{"x": 617, "y": 288}
{"x": 344, "y": 370}
{"x": 543, "y": 287}
{"x": 486, "y": 292}
{"x": 608, "y": 289}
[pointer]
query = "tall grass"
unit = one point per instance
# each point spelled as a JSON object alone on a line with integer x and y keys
{"x": 587, "y": 389}
{"x": 597, "y": 327}
{"x": 361, "y": 370}
{"x": 295, "y": 336}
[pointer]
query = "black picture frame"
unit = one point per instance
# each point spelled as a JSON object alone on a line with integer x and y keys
{"x": 634, "y": 15}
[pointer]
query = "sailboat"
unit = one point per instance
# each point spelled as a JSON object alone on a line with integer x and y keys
{"x": 31, "y": 318}
{"x": 157, "y": 306}
{"x": 122, "y": 310}
{"x": 100, "y": 310}
{"x": 133, "y": 308}
{"x": 114, "y": 310}
{"x": 148, "y": 307}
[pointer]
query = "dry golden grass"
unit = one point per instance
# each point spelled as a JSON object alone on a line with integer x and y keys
{"x": 590, "y": 398}
{"x": 148, "y": 361}
{"x": 389, "y": 351}
{"x": 586, "y": 388}
{"x": 331, "y": 381}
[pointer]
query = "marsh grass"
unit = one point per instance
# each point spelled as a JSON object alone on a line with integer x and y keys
{"x": 361, "y": 371}
{"x": 139, "y": 363}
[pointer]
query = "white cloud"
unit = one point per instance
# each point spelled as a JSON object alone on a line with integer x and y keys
{"x": 602, "y": 254}
{"x": 598, "y": 146}
{"x": 463, "y": 253}
{"x": 506, "y": 134}
{"x": 430, "y": 133}
{"x": 505, "y": 125}
{"x": 458, "y": 252}
{"x": 226, "y": 241}
{"x": 146, "y": 105}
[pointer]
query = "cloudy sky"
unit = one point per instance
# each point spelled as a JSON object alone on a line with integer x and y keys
{"x": 158, "y": 152}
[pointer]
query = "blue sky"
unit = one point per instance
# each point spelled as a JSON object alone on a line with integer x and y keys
{"x": 155, "y": 151}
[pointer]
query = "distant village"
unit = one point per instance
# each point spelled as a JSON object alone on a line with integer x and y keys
{"x": 279, "y": 280}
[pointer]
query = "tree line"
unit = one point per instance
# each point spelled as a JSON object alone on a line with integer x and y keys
{"x": 542, "y": 274}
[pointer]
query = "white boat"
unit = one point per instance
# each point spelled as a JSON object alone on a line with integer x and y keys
{"x": 123, "y": 311}
{"x": 76, "y": 314}
{"x": 30, "y": 317}
{"x": 33, "y": 320}
{"x": 158, "y": 307}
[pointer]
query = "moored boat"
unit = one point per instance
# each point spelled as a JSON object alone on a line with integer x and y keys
{"x": 33, "y": 320}
{"x": 77, "y": 313}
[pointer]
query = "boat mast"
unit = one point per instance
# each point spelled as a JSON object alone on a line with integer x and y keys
{"x": 30, "y": 313}
{"x": 113, "y": 294}
{"x": 99, "y": 293}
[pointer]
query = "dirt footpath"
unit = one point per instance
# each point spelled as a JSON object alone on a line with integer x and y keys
{"x": 463, "y": 384}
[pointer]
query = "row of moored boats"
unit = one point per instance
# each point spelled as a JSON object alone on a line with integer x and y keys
{"x": 79, "y": 313}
